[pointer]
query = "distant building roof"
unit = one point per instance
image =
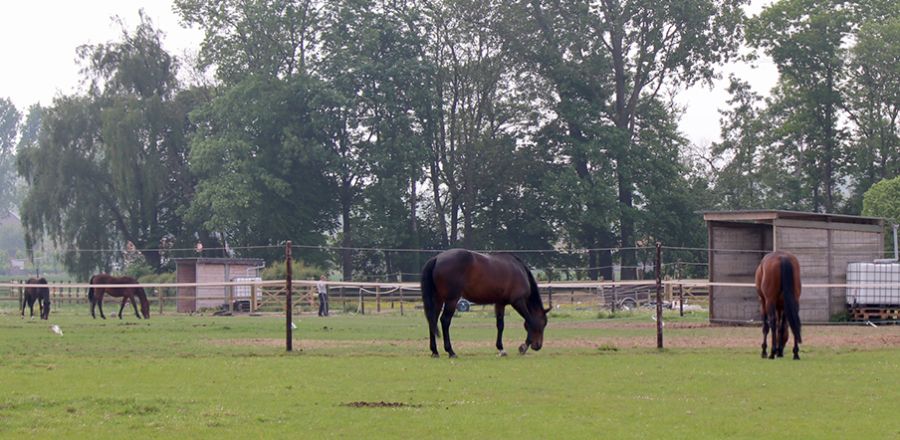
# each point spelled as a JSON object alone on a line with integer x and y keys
{"x": 205, "y": 260}
{"x": 769, "y": 215}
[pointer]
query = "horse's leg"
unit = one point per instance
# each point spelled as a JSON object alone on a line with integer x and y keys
{"x": 500, "y": 310}
{"x": 522, "y": 307}
{"x": 134, "y": 305}
{"x": 122, "y": 307}
{"x": 796, "y": 349}
{"x": 446, "y": 317}
{"x": 432, "y": 342}
{"x": 765, "y": 328}
{"x": 773, "y": 326}
{"x": 93, "y": 304}
{"x": 99, "y": 296}
{"x": 783, "y": 332}
{"x": 31, "y": 307}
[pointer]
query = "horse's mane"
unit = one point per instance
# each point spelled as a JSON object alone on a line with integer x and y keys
{"x": 534, "y": 299}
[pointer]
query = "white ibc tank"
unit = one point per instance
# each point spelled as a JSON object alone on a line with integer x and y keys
{"x": 866, "y": 274}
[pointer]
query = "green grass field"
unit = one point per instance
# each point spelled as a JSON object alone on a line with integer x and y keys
{"x": 368, "y": 376}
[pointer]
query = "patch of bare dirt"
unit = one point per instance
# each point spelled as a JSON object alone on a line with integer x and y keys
{"x": 381, "y": 404}
{"x": 676, "y": 335}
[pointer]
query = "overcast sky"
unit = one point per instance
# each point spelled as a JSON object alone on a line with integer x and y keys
{"x": 39, "y": 38}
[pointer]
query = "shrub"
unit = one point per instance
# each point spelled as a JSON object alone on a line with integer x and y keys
{"x": 299, "y": 271}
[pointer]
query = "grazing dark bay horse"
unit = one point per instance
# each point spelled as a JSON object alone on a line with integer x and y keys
{"x": 95, "y": 294}
{"x": 39, "y": 294}
{"x": 499, "y": 279}
{"x": 778, "y": 286}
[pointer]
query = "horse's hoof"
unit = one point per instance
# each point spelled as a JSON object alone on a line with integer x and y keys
{"x": 523, "y": 348}
{"x": 796, "y": 357}
{"x": 764, "y": 355}
{"x": 501, "y": 353}
{"x": 435, "y": 355}
{"x": 452, "y": 355}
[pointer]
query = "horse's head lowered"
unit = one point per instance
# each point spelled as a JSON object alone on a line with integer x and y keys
{"x": 536, "y": 331}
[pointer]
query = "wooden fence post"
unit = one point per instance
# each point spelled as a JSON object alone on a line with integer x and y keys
{"x": 378, "y": 299}
{"x": 253, "y": 298}
{"x": 362, "y": 304}
{"x": 401, "y": 300}
{"x": 680, "y": 300}
{"x": 659, "y": 321}
{"x": 160, "y": 297}
{"x": 289, "y": 306}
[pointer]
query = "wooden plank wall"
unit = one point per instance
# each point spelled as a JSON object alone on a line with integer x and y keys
{"x": 210, "y": 297}
{"x": 186, "y": 296}
{"x": 736, "y": 303}
{"x": 811, "y": 246}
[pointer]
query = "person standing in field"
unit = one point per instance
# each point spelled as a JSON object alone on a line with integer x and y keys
{"x": 323, "y": 296}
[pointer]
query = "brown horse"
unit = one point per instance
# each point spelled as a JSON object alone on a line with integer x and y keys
{"x": 95, "y": 294}
{"x": 778, "y": 286}
{"x": 39, "y": 294}
{"x": 499, "y": 279}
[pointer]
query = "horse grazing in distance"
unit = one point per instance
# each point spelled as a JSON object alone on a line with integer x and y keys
{"x": 499, "y": 279}
{"x": 778, "y": 287}
{"x": 39, "y": 294}
{"x": 95, "y": 294}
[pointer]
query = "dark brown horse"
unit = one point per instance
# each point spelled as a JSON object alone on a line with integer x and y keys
{"x": 778, "y": 286}
{"x": 95, "y": 294}
{"x": 499, "y": 279}
{"x": 39, "y": 294}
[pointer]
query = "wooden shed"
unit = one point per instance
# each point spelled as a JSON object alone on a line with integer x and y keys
{"x": 823, "y": 243}
{"x": 211, "y": 270}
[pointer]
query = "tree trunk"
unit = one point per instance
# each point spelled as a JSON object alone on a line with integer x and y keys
{"x": 347, "y": 242}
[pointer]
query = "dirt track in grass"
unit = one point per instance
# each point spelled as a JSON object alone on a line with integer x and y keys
{"x": 608, "y": 335}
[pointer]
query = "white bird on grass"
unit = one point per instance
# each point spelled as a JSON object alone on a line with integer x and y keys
{"x": 55, "y": 329}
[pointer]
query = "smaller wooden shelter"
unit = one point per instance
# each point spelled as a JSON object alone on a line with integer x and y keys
{"x": 211, "y": 270}
{"x": 823, "y": 243}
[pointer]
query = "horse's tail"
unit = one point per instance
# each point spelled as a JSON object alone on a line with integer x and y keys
{"x": 791, "y": 305}
{"x": 91, "y": 289}
{"x": 428, "y": 293}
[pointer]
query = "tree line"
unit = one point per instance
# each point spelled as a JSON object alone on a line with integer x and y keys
{"x": 429, "y": 124}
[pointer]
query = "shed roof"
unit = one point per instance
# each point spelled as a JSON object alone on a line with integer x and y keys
{"x": 770, "y": 215}
{"x": 222, "y": 261}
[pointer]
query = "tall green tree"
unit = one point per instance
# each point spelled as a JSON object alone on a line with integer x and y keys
{"x": 10, "y": 119}
{"x": 872, "y": 90}
{"x": 603, "y": 60}
{"x": 260, "y": 148}
{"x": 372, "y": 57}
{"x": 805, "y": 38}
{"x": 258, "y": 154}
{"x": 108, "y": 167}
